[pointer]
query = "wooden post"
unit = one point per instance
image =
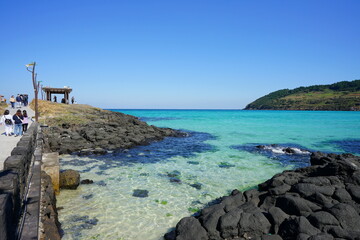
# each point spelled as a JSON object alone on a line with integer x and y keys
{"x": 36, "y": 88}
{"x": 42, "y": 92}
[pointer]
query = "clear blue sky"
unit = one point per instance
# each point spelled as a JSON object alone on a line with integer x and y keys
{"x": 177, "y": 54}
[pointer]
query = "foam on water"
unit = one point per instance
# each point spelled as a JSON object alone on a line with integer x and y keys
{"x": 182, "y": 175}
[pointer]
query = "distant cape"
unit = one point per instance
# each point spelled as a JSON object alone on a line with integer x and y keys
{"x": 340, "y": 96}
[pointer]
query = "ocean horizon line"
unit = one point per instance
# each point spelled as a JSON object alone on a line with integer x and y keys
{"x": 177, "y": 109}
{"x": 218, "y": 109}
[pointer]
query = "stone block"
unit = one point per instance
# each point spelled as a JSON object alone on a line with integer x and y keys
{"x": 31, "y": 222}
{"x": 50, "y": 165}
{"x": 6, "y": 218}
{"x": 14, "y": 162}
{"x": 26, "y": 144}
{"x": 8, "y": 181}
{"x": 32, "y": 130}
{"x": 27, "y": 138}
{"x": 20, "y": 151}
{"x": 19, "y": 165}
{"x": 9, "y": 185}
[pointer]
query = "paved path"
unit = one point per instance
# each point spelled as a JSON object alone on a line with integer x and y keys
{"x": 7, "y": 144}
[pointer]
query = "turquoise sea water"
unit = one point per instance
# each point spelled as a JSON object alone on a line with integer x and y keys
{"x": 181, "y": 175}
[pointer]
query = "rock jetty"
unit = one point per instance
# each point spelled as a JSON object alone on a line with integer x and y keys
{"x": 313, "y": 203}
{"x": 111, "y": 131}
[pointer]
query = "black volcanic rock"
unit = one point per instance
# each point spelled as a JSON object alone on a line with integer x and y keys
{"x": 141, "y": 193}
{"x": 317, "y": 202}
{"x": 87, "y": 181}
{"x": 190, "y": 228}
{"x": 114, "y": 131}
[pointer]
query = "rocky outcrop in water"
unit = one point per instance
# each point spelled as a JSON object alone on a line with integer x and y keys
{"x": 317, "y": 202}
{"x": 113, "y": 131}
{"x": 69, "y": 179}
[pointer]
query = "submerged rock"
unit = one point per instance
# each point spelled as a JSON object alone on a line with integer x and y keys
{"x": 174, "y": 176}
{"x": 316, "y": 202}
{"x": 87, "y": 181}
{"x": 226, "y": 165}
{"x": 88, "y": 196}
{"x": 196, "y": 185}
{"x": 140, "y": 193}
{"x": 175, "y": 180}
{"x": 175, "y": 173}
{"x": 193, "y": 162}
{"x": 101, "y": 183}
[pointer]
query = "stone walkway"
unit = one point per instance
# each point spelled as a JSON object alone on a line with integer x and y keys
{"x": 7, "y": 144}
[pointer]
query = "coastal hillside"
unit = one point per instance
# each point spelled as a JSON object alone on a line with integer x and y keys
{"x": 340, "y": 96}
{"x": 83, "y": 129}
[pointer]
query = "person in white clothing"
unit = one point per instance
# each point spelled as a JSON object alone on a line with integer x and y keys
{"x": 8, "y": 121}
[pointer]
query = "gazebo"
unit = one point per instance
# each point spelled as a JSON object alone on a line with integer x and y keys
{"x": 65, "y": 90}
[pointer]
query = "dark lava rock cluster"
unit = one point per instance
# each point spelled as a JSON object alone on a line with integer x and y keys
{"x": 112, "y": 131}
{"x": 317, "y": 202}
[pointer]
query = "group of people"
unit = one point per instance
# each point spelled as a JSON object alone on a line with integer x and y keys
{"x": 16, "y": 124}
{"x": 20, "y": 100}
{"x": 63, "y": 100}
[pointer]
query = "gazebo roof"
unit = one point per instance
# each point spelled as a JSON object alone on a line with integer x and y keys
{"x": 57, "y": 90}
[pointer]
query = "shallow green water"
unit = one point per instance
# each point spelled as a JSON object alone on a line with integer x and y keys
{"x": 210, "y": 159}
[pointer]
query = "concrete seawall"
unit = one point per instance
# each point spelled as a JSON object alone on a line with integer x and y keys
{"x": 20, "y": 188}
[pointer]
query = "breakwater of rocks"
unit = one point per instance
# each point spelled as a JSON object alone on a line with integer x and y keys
{"x": 113, "y": 131}
{"x": 317, "y": 202}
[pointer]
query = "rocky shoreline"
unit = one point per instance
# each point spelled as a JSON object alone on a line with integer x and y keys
{"x": 317, "y": 202}
{"x": 112, "y": 131}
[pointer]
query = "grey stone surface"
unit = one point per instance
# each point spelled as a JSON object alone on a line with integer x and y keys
{"x": 30, "y": 228}
{"x": 6, "y": 218}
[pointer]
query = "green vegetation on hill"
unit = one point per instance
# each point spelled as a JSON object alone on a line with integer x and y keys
{"x": 341, "y": 96}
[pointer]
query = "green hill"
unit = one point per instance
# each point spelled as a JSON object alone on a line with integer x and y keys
{"x": 340, "y": 96}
